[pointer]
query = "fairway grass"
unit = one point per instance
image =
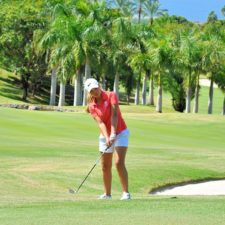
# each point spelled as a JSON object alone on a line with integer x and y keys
{"x": 147, "y": 211}
{"x": 43, "y": 154}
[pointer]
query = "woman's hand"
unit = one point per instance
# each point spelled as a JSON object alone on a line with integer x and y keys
{"x": 112, "y": 138}
{"x": 108, "y": 142}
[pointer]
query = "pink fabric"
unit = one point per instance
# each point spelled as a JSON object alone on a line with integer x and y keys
{"x": 103, "y": 111}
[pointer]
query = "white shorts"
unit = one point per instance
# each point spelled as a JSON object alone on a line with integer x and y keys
{"x": 121, "y": 141}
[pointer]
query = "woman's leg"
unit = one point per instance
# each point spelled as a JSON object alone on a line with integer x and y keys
{"x": 107, "y": 172}
{"x": 120, "y": 154}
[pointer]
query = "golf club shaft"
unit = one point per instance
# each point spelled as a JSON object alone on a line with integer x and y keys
{"x": 92, "y": 169}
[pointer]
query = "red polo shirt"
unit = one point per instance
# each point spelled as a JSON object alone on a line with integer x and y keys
{"x": 103, "y": 111}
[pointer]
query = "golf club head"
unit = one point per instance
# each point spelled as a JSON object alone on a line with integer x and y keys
{"x": 71, "y": 191}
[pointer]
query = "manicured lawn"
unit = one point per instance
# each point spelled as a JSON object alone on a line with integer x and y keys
{"x": 154, "y": 211}
{"x": 42, "y": 154}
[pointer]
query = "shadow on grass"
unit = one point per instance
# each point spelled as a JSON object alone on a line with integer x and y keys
{"x": 10, "y": 80}
{"x": 16, "y": 94}
{"x": 11, "y": 89}
{"x": 9, "y": 92}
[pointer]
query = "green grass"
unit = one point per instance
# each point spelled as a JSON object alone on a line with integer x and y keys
{"x": 154, "y": 211}
{"x": 11, "y": 91}
{"x": 217, "y": 103}
{"x": 42, "y": 154}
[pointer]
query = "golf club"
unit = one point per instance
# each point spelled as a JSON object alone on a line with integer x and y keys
{"x": 72, "y": 191}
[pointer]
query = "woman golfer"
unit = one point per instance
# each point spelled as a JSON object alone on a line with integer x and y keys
{"x": 104, "y": 108}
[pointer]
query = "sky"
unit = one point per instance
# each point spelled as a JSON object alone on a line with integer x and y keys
{"x": 193, "y": 10}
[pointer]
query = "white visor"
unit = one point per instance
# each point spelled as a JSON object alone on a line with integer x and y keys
{"x": 90, "y": 84}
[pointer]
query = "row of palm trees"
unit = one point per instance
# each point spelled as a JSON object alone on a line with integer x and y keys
{"x": 106, "y": 40}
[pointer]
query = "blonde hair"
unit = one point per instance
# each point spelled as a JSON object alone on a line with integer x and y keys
{"x": 89, "y": 100}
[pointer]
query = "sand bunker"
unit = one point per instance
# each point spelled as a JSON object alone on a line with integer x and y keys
{"x": 203, "y": 188}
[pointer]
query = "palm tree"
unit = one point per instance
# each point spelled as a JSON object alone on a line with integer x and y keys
{"x": 198, "y": 69}
{"x": 144, "y": 36}
{"x": 42, "y": 46}
{"x": 46, "y": 43}
{"x": 141, "y": 33}
{"x": 160, "y": 51}
{"x": 122, "y": 32}
{"x": 213, "y": 59}
{"x": 58, "y": 40}
{"x": 212, "y": 17}
{"x": 223, "y": 11}
{"x": 152, "y": 9}
{"x": 141, "y": 63}
{"x": 137, "y": 7}
{"x": 53, "y": 86}
{"x": 197, "y": 90}
{"x": 124, "y": 6}
{"x": 97, "y": 23}
{"x": 79, "y": 55}
{"x": 187, "y": 60}
{"x": 220, "y": 81}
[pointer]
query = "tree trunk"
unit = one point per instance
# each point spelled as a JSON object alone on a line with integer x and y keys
{"x": 224, "y": 106}
{"x": 159, "y": 97}
{"x": 62, "y": 94}
{"x": 151, "y": 91}
{"x": 116, "y": 84}
{"x": 53, "y": 86}
{"x": 103, "y": 82}
{"x": 188, "y": 100}
{"x": 159, "y": 100}
{"x": 128, "y": 99}
{"x": 139, "y": 12}
{"x": 144, "y": 90}
{"x": 151, "y": 21}
{"x": 78, "y": 88}
{"x": 136, "y": 100}
{"x": 87, "y": 75}
{"x": 188, "y": 95}
{"x": 25, "y": 93}
{"x": 25, "y": 85}
{"x": 197, "y": 88}
{"x": 210, "y": 102}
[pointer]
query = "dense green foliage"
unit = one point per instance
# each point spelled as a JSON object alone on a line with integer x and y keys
{"x": 79, "y": 39}
{"x": 18, "y": 24}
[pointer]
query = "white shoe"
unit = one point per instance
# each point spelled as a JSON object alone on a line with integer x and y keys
{"x": 105, "y": 197}
{"x": 126, "y": 196}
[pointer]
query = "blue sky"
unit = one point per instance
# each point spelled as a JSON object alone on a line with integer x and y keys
{"x": 193, "y": 10}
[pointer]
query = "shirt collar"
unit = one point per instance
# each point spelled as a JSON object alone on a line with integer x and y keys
{"x": 104, "y": 97}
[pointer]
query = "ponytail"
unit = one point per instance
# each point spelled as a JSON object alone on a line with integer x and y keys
{"x": 89, "y": 100}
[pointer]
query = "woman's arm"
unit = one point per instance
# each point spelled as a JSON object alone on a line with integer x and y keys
{"x": 103, "y": 130}
{"x": 114, "y": 121}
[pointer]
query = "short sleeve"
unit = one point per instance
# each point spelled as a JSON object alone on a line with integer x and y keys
{"x": 113, "y": 98}
{"x": 92, "y": 111}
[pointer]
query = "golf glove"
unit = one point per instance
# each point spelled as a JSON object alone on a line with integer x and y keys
{"x": 112, "y": 137}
